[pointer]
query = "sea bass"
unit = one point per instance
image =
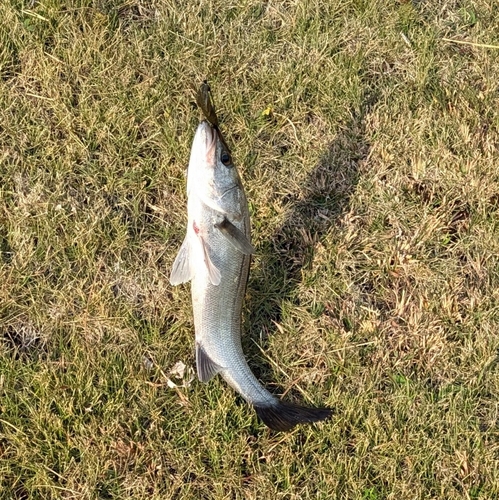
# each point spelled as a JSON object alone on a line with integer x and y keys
{"x": 215, "y": 257}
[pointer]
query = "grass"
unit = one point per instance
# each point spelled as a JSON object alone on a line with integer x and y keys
{"x": 367, "y": 143}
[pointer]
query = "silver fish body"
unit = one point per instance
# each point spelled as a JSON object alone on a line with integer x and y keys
{"x": 215, "y": 257}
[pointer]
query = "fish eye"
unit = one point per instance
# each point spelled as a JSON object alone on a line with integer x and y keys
{"x": 226, "y": 159}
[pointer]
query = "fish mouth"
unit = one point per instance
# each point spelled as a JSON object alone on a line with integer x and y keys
{"x": 210, "y": 135}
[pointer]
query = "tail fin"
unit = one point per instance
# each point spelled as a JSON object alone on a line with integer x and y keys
{"x": 282, "y": 416}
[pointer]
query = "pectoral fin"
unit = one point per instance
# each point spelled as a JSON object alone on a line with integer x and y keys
{"x": 235, "y": 236}
{"x": 206, "y": 368}
{"x": 181, "y": 269}
{"x": 213, "y": 271}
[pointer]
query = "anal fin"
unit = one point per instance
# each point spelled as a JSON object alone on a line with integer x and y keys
{"x": 206, "y": 367}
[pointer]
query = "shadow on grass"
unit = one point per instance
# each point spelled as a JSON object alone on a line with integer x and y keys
{"x": 311, "y": 215}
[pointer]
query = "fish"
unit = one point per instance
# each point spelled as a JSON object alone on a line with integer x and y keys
{"x": 215, "y": 257}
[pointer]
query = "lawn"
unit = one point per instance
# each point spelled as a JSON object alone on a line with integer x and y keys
{"x": 366, "y": 133}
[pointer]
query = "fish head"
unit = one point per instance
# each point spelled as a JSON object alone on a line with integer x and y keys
{"x": 212, "y": 175}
